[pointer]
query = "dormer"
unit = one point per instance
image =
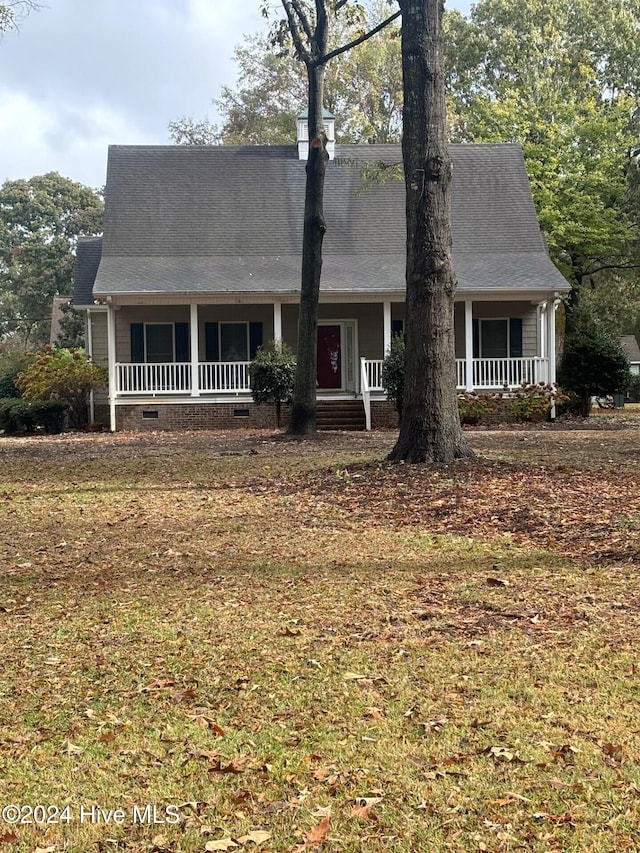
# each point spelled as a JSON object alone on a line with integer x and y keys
{"x": 328, "y": 120}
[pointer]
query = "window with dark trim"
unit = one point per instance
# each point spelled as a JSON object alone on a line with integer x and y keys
{"x": 159, "y": 343}
{"x": 499, "y": 337}
{"x": 232, "y": 341}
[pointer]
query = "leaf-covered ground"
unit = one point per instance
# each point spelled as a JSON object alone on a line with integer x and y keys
{"x": 291, "y": 645}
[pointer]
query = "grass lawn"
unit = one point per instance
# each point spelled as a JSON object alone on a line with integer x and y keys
{"x": 290, "y": 645}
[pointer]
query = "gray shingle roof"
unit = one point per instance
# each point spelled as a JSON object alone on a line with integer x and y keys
{"x": 88, "y": 252}
{"x": 630, "y": 347}
{"x": 229, "y": 219}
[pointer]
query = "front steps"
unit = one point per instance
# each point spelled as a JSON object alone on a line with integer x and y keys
{"x": 340, "y": 415}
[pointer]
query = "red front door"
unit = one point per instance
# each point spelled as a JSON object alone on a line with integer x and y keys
{"x": 329, "y": 357}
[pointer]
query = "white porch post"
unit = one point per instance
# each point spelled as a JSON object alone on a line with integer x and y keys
{"x": 277, "y": 321}
{"x": 551, "y": 337}
{"x": 193, "y": 330}
{"x": 111, "y": 364}
{"x": 92, "y": 405}
{"x": 468, "y": 343}
{"x": 543, "y": 317}
{"x": 386, "y": 328}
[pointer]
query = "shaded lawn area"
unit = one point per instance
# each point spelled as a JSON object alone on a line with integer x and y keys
{"x": 304, "y": 648}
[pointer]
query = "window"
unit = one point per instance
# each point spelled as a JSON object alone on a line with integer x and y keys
{"x": 231, "y": 341}
{"x": 494, "y": 338}
{"x": 497, "y": 338}
{"x": 234, "y": 342}
{"x": 159, "y": 343}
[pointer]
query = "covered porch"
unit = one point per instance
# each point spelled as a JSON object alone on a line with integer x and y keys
{"x": 203, "y": 351}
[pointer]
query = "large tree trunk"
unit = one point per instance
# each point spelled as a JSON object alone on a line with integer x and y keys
{"x": 430, "y": 428}
{"x": 303, "y": 410}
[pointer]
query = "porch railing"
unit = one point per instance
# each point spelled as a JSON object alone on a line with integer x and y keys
{"x": 366, "y": 391}
{"x": 175, "y": 378}
{"x": 232, "y": 377}
{"x": 164, "y": 378}
{"x": 224, "y": 376}
{"x": 372, "y": 370}
{"x": 497, "y": 372}
{"x": 488, "y": 373}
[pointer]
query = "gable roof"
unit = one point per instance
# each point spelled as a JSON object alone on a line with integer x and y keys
{"x": 208, "y": 219}
{"x": 88, "y": 254}
{"x": 630, "y": 348}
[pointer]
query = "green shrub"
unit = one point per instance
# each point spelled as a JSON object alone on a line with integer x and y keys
{"x": 633, "y": 389}
{"x": 393, "y": 373}
{"x": 592, "y": 364}
{"x": 19, "y": 416}
{"x": 67, "y": 375}
{"x": 272, "y": 373}
{"x": 51, "y": 415}
{"x": 8, "y": 386}
{"x": 16, "y": 416}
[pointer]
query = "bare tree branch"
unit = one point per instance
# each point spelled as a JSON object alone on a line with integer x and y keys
{"x": 296, "y": 35}
{"x": 345, "y": 47}
{"x": 13, "y": 11}
{"x": 303, "y": 19}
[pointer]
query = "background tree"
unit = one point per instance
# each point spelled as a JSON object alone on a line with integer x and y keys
{"x": 307, "y": 26}
{"x": 430, "y": 426}
{"x": 13, "y": 11}
{"x": 190, "y": 131}
{"x": 593, "y": 363}
{"x": 363, "y": 90}
{"x": 563, "y": 79}
{"x": 40, "y": 221}
{"x": 71, "y": 333}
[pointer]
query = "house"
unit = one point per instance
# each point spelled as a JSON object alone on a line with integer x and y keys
{"x": 200, "y": 263}
{"x": 631, "y": 349}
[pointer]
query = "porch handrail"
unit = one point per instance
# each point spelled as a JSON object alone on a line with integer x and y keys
{"x": 488, "y": 373}
{"x": 224, "y": 376}
{"x": 374, "y": 373}
{"x": 366, "y": 393}
{"x": 512, "y": 372}
{"x": 153, "y": 378}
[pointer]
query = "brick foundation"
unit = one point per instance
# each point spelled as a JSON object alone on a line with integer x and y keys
{"x": 195, "y": 416}
{"x": 383, "y": 415}
{"x": 224, "y": 416}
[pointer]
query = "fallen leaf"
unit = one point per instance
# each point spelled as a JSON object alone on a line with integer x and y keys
{"x": 374, "y": 713}
{"x": 257, "y": 837}
{"x": 318, "y": 833}
{"x": 220, "y": 844}
{"x": 497, "y": 582}
{"x": 70, "y": 748}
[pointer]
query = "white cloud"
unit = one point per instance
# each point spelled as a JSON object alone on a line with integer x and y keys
{"x": 44, "y": 137}
{"x": 81, "y": 74}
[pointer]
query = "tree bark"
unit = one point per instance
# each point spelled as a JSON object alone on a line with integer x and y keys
{"x": 430, "y": 427}
{"x": 303, "y": 408}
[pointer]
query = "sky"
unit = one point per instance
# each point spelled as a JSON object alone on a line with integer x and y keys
{"x": 79, "y": 75}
